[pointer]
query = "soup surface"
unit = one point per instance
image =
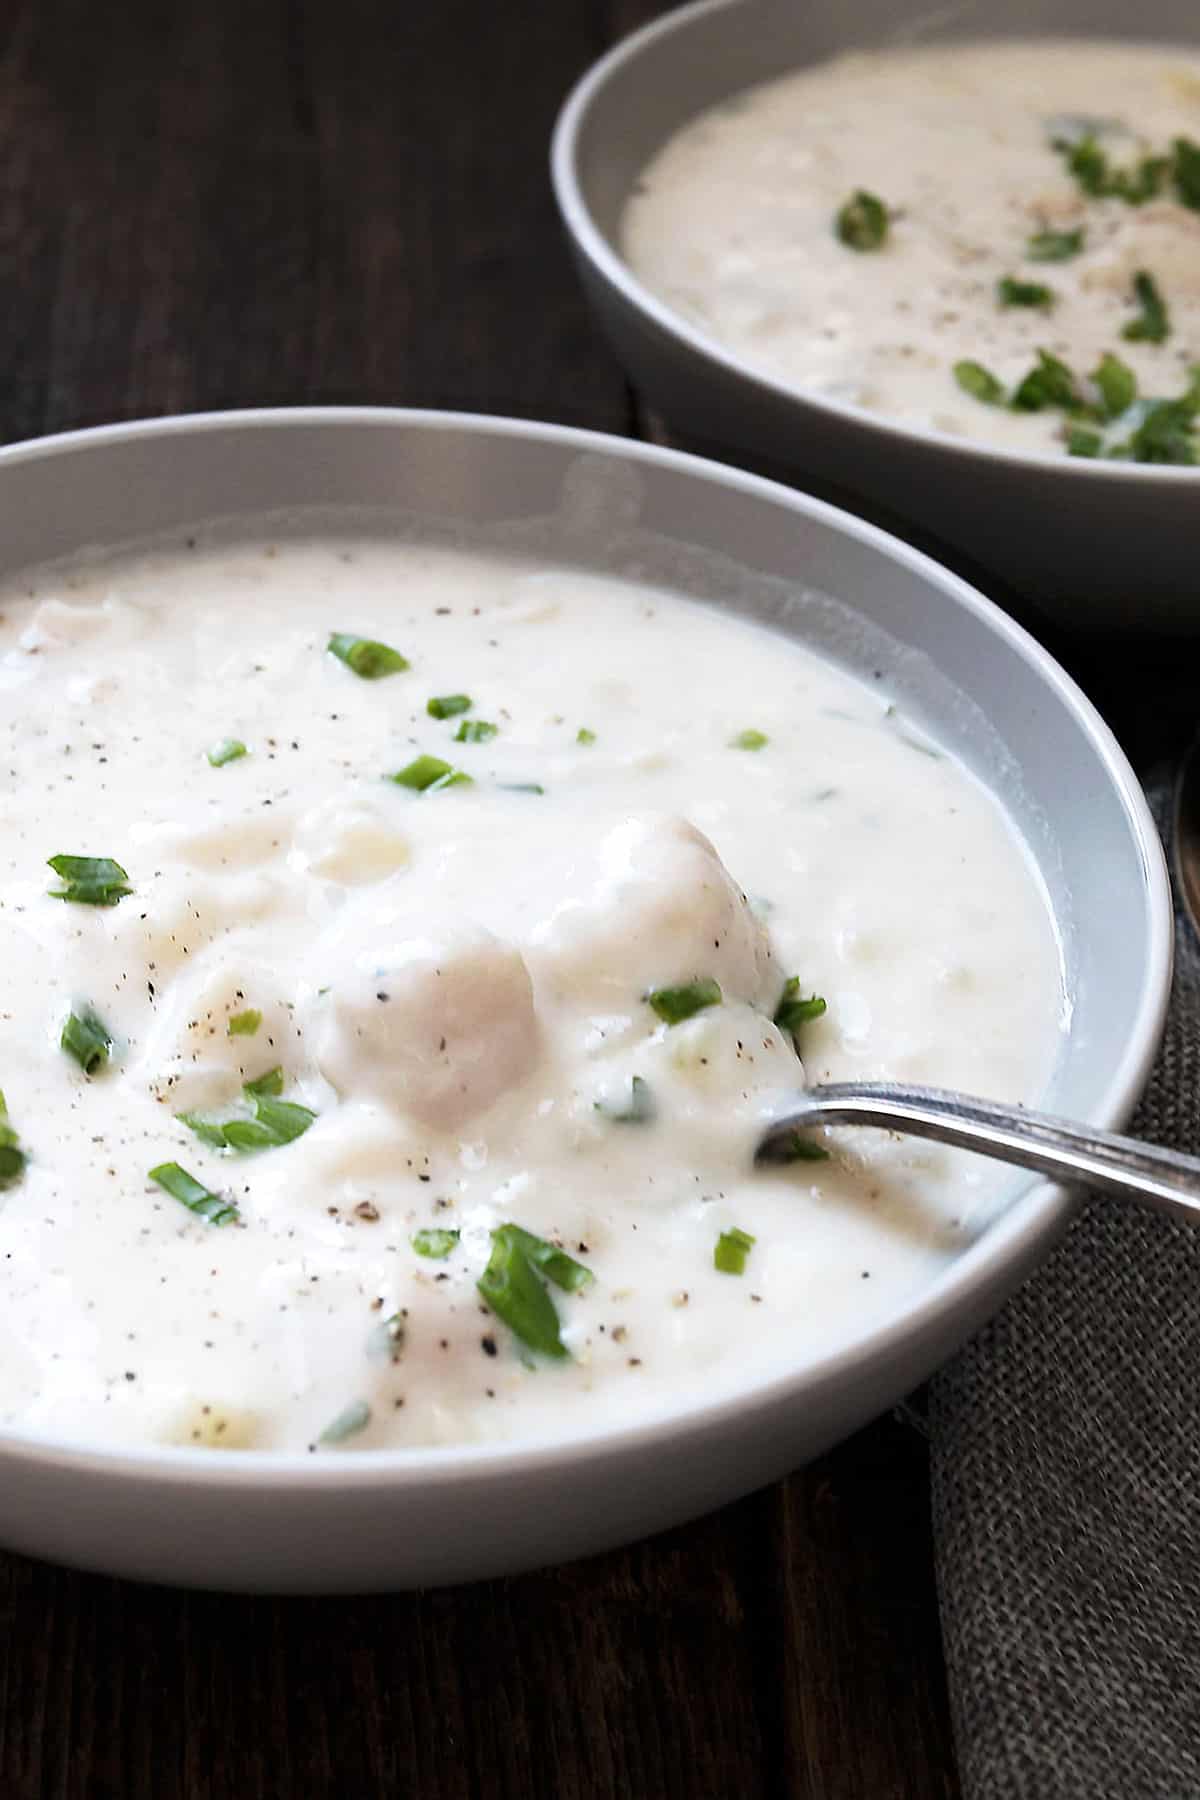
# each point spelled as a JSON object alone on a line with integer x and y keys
{"x": 956, "y": 237}
{"x": 395, "y": 1079}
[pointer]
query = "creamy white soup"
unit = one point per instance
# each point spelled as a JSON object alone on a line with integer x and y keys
{"x": 403, "y": 947}
{"x": 995, "y": 240}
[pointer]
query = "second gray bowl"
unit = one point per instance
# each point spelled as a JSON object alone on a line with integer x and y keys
{"x": 1092, "y": 544}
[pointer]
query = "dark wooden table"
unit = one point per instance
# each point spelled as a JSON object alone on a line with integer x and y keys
{"x": 266, "y": 202}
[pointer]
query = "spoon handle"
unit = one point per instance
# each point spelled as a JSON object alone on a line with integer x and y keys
{"x": 1166, "y": 1179}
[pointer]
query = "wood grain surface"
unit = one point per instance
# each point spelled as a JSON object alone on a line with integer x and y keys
{"x": 248, "y": 202}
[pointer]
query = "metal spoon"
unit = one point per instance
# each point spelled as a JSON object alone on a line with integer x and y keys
{"x": 1165, "y": 1179}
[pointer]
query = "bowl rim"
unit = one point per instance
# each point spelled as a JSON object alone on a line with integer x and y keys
{"x": 1031, "y": 1222}
{"x": 596, "y": 246}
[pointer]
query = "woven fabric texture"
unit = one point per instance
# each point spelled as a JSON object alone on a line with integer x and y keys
{"x": 1066, "y": 1494}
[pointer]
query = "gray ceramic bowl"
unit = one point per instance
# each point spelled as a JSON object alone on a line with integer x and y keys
{"x": 1095, "y": 545}
{"x": 385, "y": 1519}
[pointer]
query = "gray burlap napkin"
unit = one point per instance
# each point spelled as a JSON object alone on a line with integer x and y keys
{"x": 1066, "y": 1489}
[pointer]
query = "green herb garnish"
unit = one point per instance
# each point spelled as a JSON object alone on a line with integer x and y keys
{"x": 553, "y": 1262}
{"x": 447, "y": 706}
{"x": 194, "y": 1195}
{"x": 89, "y": 880}
{"x": 513, "y": 1289}
{"x": 12, "y": 1157}
{"x": 862, "y": 222}
{"x": 286, "y": 1120}
{"x": 434, "y": 1241}
{"x": 352, "y": 1419}
{"x": 270, "y": 1083}
{"x": 429, "y": 774}
{"x": 675, "y": 1004}
{"x": 1091, "y": 168}
{"x": 639, "y": 1109}
{"x": 750, "y": 739}
{"x": 1117, "y": 384}
{"x": 1152, "y": 324}
{"x": 1048, "y": 383}
{"x": 1055, "y": 246}
{"x": 275, "y": 1122}
{"x": 732, "y": 1249}
{"x": 243, "y": 1024}
{"x": 980, "y": 383}
{"x": 475, "y": 731}
{"x": 1143, "y": 182}
{"x": 368, "y": 658}
{"x": 521, "y": 787}
{"x": 1081, "y": 440}
{"x": 227, "y": 751}
{"x": 1185, "y": 171}
{"x": 1086, "y": 161}
{"x": 87, "y": 1039}
{"x": 795, "y": 1147}
{"x": 1011, "y": 292}
{"x": 794, "y": 1010}
{"x": 1166, "y": 434}
{"x": 584, "y": 736}
{"x": 207, "y": 1130}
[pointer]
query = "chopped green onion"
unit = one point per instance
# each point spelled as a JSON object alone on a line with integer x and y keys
{"x": 1011, "y": 292}
{"x": 429, "y": 774}
{"x": 365, "y": 656}
{"x": 271, "y": 1083}
{"x": 1087, "y": 162}
{"x": 793, "y": 1010}
{"x": 1055, "y": 246}
{"x": 1083, "y": 441}
{"x": 89, "y": 880}
{"x": 275, "y": 1122}
{"x": 87, "y": 1039}
{"x": 1152, "y": 325}
{"x": 197, "y": 1198}
{"x": 554, "y": 1263}
{"x": 434, "y": 1241}
{"x": 862, "y": 222}
{"x": 1185, "y": 171}
{"x": 12, "y": 1157}
{"x": 521, "y": 787}
{"x": 675, "y": 1004}
{"x": 1166, "y": 433}
{"x": 447, "y": 706}
{"x": 353, "y": 1418}
{"x": 1117, "y": 384}
{"x": 227, "y": 751}
{"x": 207, "y": 1130}
{"x": 979, "y": 382}
{"x": 796, "y": 1148}
{"x": 246, "y": 1136}
{"x": 749, "y": 739}
{"x": 475, "y": 731}
{"x": 1090, "y": 166}
{"x": 731, "y": 1251}
{"x": 1048, "y": 383}
{"x": 584, "y": 736}
{"x": 1144, "y": 182}
{"x": 639, "y": 1109}
{"x": 286, "y": 1120}
{"x": 512, "y": 1288}
{"x": 243, "y": 1024}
